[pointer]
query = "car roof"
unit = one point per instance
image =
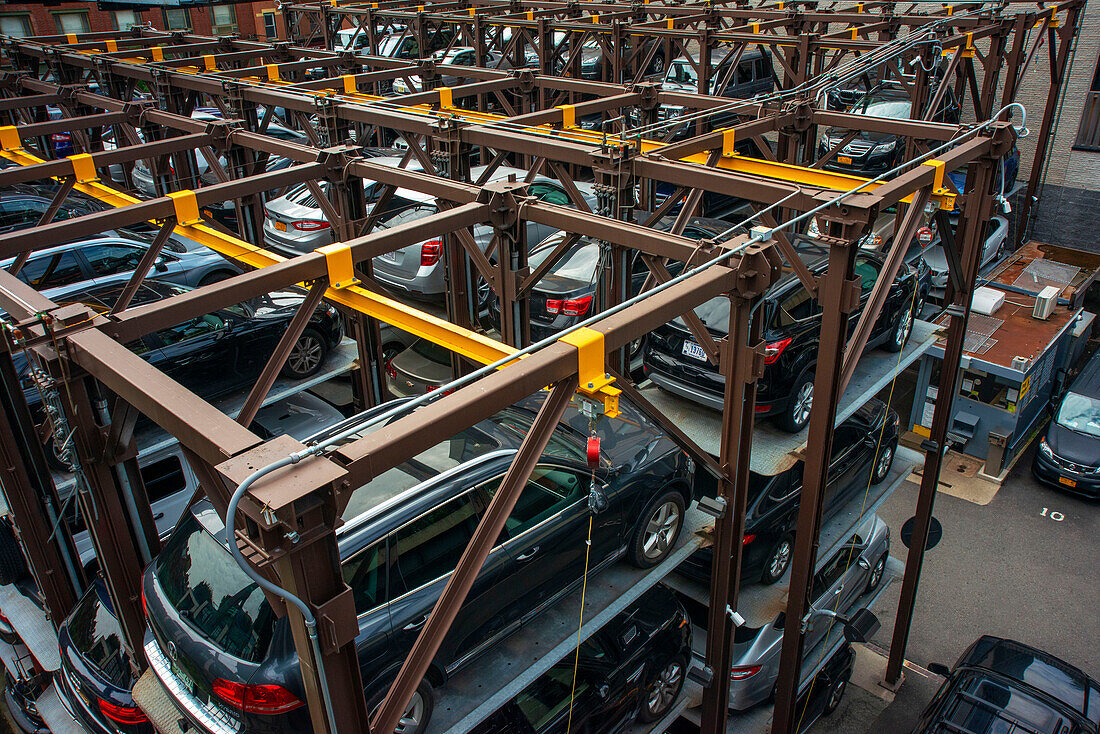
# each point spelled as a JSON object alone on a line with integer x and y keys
{"x": 1033, "y": 668}
{"x": 718, "y": 55}
{"x": 68, "y": 246}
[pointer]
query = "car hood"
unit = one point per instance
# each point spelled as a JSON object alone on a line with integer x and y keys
{"x": 874, "y": 137}
{"x": 1073, "y": 446}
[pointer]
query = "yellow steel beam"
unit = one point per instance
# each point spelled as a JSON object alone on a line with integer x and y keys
{"x": 468, "y": 343}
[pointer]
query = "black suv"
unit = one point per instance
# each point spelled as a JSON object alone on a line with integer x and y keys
{"x": 1000, "y": 685}
{"x": 651, "y": 639}
{"x": 234, "y": 663}
{"x": 874, "y": 153}
{"x": 1069, "y": 452}
{"x": 773, "y": 500}
{"x": 792, "y": 329}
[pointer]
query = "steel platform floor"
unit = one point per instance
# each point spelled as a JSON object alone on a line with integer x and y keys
{"x": 54, "y": 713}
{"x": 32, "y": 626}
{"x": 774, "y": 450}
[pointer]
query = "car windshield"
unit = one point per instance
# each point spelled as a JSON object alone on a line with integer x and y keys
{"x": 990, "y": 706}
{"x": 682, "y": 72}
{"x": 95, "y": 633}
{"x": 1080, "y": 413}
{"x": 211, "y": 593}
{"x": 578, "y": 264}
{"x": 869, "y": 106}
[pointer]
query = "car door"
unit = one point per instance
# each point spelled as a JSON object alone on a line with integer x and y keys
{"x": 21, "y": 212}
{"x": 843, "y": 465}
{"x": 827, "y": 593}
{"x": 111, "y": 258}
{"x": 545, "y": 704}
{"x": 54, "y": 270}
{"x": 425, "y": 551}
{"x": 545, "y": 537}
{"x": 200, "y": 354}
{"x": 367, "y": 573}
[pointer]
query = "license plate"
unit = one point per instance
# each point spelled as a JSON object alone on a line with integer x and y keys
{"x": 184, "y": 678}
{"x": 846, "y": 160}
{"x": 693, "y": 350}
{"x": 389, "y": 256}
{"x": 281, "y": 226}
{"x": 1068, "y": 482}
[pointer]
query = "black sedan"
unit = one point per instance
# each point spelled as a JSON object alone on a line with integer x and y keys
{"x": 792, "y": 330}
{"x": 863, "y": 452}
{"x": 220, "y": 351}
{"x": 1069, "y": 453}
{"x": 632, "y": 668}
{"x": 234, "y": 662}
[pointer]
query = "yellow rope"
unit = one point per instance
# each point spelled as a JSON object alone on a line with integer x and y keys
{"x": 580, "y": 626}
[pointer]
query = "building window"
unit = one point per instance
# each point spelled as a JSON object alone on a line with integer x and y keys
{"x": 72, "y": 22}
{"x": 1088, "y": 135}
{"x": 177, "y": 19}
{"x": 270, "y": 29}
{"x": 223, "y": 18}
{"x": 126, "y": 19}
{"x": 16, "y": 26}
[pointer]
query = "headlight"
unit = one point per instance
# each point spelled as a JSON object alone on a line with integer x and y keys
{"x": 1044, "y": 447}
{"x": 886, "y": 147}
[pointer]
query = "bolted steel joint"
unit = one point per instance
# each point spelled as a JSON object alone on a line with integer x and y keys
{"x": 503, "y": 198}
{"x": 759, "y": 268}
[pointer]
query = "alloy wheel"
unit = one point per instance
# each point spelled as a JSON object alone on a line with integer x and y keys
{"x": 803, "y": 403}
{"x": 876, "y": 573}
{"x": 782, "y": 556}
{"x": 836, "y": 695}
{"x": 901, "y": 334}
{"x": 306, "y": 354}
{"x": 410, "y": 720}
{"x": 665, "y": 688}
{"x": 661, "y": 531}
{"x": 884, "y": 460}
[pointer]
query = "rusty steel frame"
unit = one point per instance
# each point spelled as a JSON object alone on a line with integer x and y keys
{"x": 309, "y": 496}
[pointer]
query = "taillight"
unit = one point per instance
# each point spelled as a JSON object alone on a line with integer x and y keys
{"x": 744, "y": 672}
{"x": 430, "y": 252}
{"x": 144, "y": 604}
{"x": 569, "y": 307}
{"x": 390, "y": 369}
{"x": 748, "y": 538}
{"x": 311, "y": 225}
{"x": 252, "y": 698}
{"x": 762, "y": 408}
{"x": 122, "y": 714}
{"x": 773, "y": 350}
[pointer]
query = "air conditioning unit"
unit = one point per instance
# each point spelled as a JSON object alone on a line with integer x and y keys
{"x": 1045, "y": 302}
{"x": 987, "y": 301}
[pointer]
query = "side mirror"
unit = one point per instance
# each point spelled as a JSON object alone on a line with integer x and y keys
{"x": 160, "y": 266}
{"x": 864, "y": 563}
{"x": 939, "y": 669}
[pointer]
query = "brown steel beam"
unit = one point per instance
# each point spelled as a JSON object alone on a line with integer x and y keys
{"x": 144, "y": 265}
{"x": 474, "y": 555}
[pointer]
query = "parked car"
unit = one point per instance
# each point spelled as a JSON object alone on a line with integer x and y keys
{"x": 66, "y": 271}
{"x": 859, "y": 459}
{"x": 218, "y": 352}
{"x": 143, "y": 177}
{"x": 454, "y": 56}
{"x": 419, "y": 368}
{"x": 419, "y": 269}
{"x": 225, "y": 212}
{"x": 651, "y": 637}
{"x": 999, "y": 685}
{"x": 874, "y": 153}
{"x": 840, "y": 582}
{"x": 22, "y": 207}
{"x": 592, "y": 55}
{"x": 994, "y": 243}
{"x": 752, "y": 76}
{"x": 96, "y": 680}
{"x": 1068, "y": 457}
{"x": 792, "y": 329}
{"x": 400, "y": 538}
{"x": 563, "y": 296}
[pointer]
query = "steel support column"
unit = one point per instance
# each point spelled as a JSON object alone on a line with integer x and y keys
{"x": 979, "y": 182}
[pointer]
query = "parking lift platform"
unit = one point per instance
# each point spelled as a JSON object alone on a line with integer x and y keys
{"x": 774, "y": 450}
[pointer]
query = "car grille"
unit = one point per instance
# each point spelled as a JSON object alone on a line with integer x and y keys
{"x": 211, "y": 717}
{"x": 854, "y": 148}
{"x": 1076, "y": 468}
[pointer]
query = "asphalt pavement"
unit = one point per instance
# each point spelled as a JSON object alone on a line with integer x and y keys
{"x": 1023, "y": 566}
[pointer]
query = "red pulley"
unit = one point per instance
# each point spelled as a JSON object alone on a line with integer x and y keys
{"x": 593, "y": 451}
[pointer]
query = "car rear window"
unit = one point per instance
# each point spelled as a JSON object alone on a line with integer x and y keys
{"x": 986, "y": 705}
{"x": 210, "y": 592}
{"x": 97, "y": 636}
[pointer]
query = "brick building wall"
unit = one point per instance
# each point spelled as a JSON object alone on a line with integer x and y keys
{"x": 38, "y": 19}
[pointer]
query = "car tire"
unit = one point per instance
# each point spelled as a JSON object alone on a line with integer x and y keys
{"x": 779, "y": 560}
{"x": 899, "y": 337}
{"x": 878, "y": 570}
{"x": 663, "y": 690}
{"x": 797, "y": 413}
{"x": 13, "y": 564}
{"x": 883, "y": 462}
{"x": 306, "y": 356}
{"x": 53, "y": 456}
{"x": 658, "y": 65}
{"x": 658, "y": 530}
{"x": 836, "y": 695}
{"x": 215, "y": 277}
{"x": 417, "y": 715}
